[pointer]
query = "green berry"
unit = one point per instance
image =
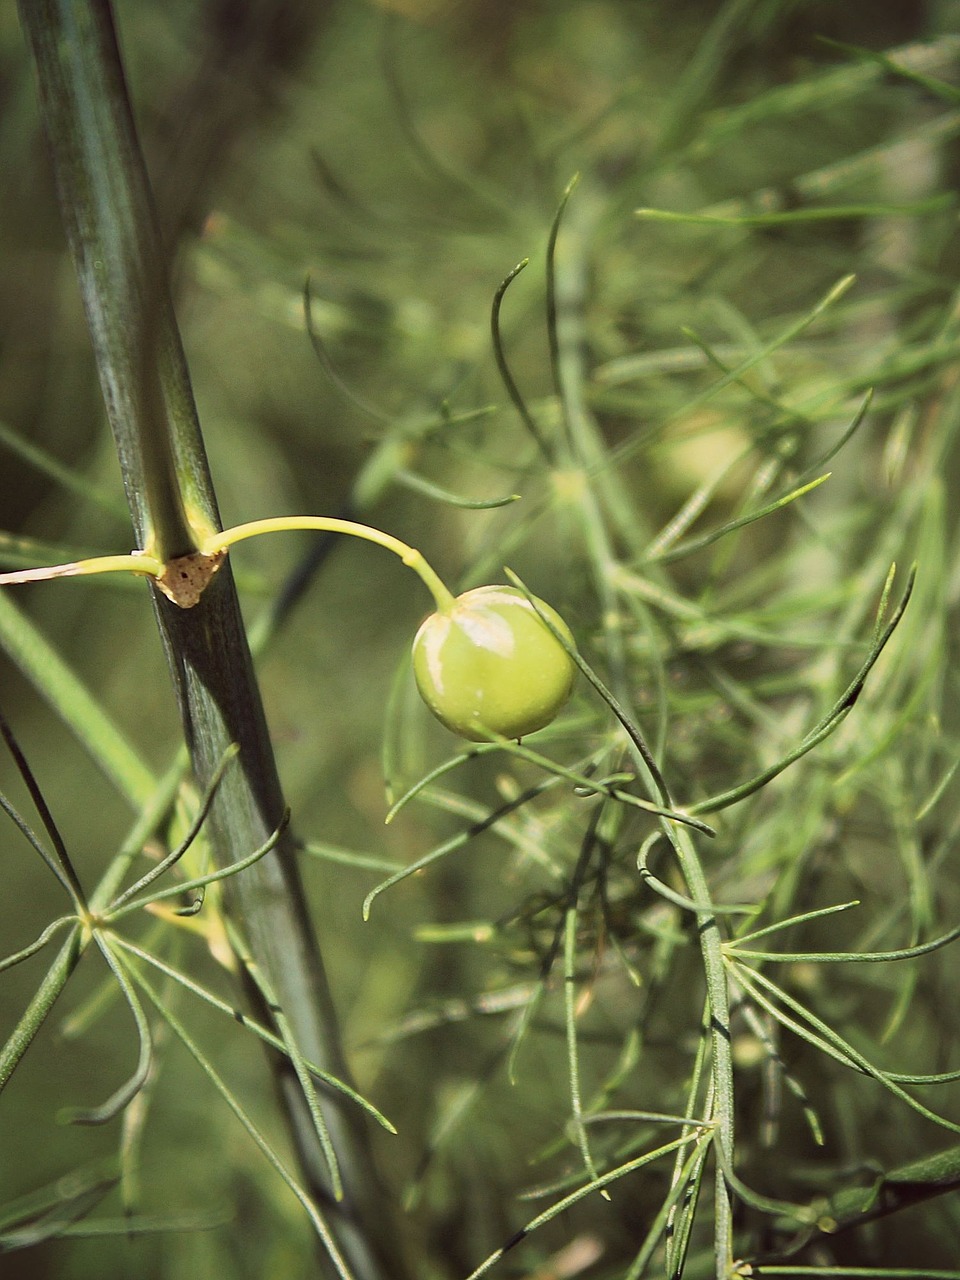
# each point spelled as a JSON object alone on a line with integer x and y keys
{"x": 490, "y": 666}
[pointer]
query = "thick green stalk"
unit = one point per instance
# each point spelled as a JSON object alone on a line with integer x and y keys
{"x": 109, "y": 219}
{"x": 111, "y": 228}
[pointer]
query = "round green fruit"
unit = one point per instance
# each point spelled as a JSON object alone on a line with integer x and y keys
{"x": 489, "y": 666}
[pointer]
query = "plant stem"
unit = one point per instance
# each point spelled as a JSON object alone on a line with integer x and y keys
{"x": 332, "y": 524}
{"x": 108, "y": 215}
{"x": 108, "y": 212}
{"x": 213, "y": 544}
{"x": 566, "y": 309}
{"x": 886, "y": 1193}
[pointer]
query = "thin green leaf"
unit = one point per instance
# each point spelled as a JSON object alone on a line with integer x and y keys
{"x": 902, "y": 70}
{"x": 567, "y": 1202}
{"x": 445, "y": 767}
{"x": 678, "y": 551}
{"x": 332, "y": 372}
{"x": 686, "y": 1180}
{"x": 69, "y": 877}
{"x": 803, "y": 918}
{"x": 130, "y": 1088}
{"x": 38, "y": 944}
{"x": 82, "y": 712}
{"x": 292, "y": 1050}
{"x": 686, "y": 1188}
{"x": 679, "y": 899}
{"x": 937, "y": 792}
{"x": 828, "y": 725}
{"x": 573, "y": 1055}
{"x": 193, "y": 831}
{"x": 238, "y": 1016}
{"x": 868, "y": 1273}
{"x": 311, "y": 1209}
{"x": 49, "y": 1213}
{"x": 723, "y": 33}
{"x": 825, "y": 213}
{"x": 39, "y": 847}
{"x": 553, "y": 334}
{"x": 456, "y": 842}
{"x": 524, "y": 1022}
{"x": 39, "y": 1007}
{"x": 768, "y": 1133}
{"x": 633, "y": 731}
{"x": 139, "y": 1224}
{"x": 845, "y": 436}
{"x": 418, "y": 484}
{"x": 201, "y": 882}
{"x": 66, "y": 477}
{"x": 823, "y": 1037}
{"x": 622, "y": 371}
{"x": 798, "y": 1213}
{"x": 347, "y": 857}
{"x": 848, "y": 957}
{"x": 145, "y": 826}
{"x": 503, "y": 367}
{"x": 586, "y": 785}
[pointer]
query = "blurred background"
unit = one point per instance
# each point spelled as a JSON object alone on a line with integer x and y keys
{"x": 403, "y": 156}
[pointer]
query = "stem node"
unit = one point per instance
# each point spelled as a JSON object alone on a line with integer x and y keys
{"x": 185, "y": 578}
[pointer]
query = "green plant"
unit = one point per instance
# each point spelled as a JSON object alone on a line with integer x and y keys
{"x": 488, "y": 663}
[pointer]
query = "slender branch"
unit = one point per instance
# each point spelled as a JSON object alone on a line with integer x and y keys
{"x": 565, "y": 301}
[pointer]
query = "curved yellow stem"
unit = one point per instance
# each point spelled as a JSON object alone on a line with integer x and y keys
{"x": 214, "y": 545}
{"x": 331, "y": 524}
{"x": 136, "y": 562}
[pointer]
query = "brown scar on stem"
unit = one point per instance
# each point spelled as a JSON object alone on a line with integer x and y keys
{"x": 185, "y": 578}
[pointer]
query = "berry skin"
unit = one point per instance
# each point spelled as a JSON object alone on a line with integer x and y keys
{"x": 489, "y": 666}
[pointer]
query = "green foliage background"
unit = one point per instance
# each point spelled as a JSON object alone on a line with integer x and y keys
{"x": 404, "y": 156}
